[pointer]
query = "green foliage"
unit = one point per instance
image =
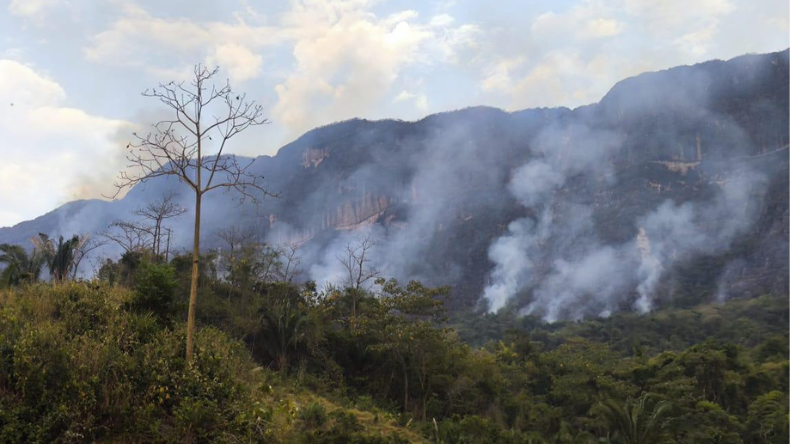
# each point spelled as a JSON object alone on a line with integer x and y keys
{"x": 121, "y": 272}
{"x": 77, "y": 368}
{"x": 155, "y": 290}
{"x": 279, "y": 362}
{"x": 392, "y": 350}
{"x": 62, "y": 259}
{"x": 637, "y": 421}
{"x": 768, "y": 418}
{"x": 19, "y": 266}
{"x": 314, "y": 415}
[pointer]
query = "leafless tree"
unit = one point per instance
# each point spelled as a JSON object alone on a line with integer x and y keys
{"x": 356, "y": 261}
{"x": 235, "y": 238}
{"x": 268, "y": 264}
{"x": 289, "y": 264}
{"x": 204, "y": 116}
{"x": 131, "y": 236}
{"x": 167, "y": 245}
{"x": 157, "y": 212}
{"x": 85, "y": 246}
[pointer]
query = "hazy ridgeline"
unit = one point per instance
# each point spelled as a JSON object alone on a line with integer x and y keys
{"x": 675, "y": 182}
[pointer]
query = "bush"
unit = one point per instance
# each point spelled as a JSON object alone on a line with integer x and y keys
{"x": 122, "y": 379}
{"x": 155, "y": 291}
{"x": 314, "y": 415}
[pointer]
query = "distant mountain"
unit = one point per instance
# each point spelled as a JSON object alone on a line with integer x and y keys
{"x": 671, "y": 190}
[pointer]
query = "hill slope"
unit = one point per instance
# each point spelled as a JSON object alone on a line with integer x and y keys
{"x": 672, "y": 189}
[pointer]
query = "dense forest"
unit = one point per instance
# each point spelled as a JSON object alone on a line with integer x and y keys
{"x": 276, "y": 361}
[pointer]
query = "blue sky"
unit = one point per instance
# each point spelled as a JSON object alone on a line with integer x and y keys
{"x": 74, "y": 69}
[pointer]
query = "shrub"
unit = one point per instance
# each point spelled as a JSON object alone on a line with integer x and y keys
{"x": 314, "y": 415}
{"x": 155, "y": 290}
{"x": 79, "y": 369}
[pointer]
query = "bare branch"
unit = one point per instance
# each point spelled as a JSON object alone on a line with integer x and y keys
{"x": 157, "y": 212}
{"x": 356, "y": 262}
{"x": 290, "y": 261}
{"x": 83, "y": 248}
{"x": 130, "y": 236}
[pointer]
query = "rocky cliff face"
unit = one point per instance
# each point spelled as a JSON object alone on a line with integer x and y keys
{"x": 503, "y": 203}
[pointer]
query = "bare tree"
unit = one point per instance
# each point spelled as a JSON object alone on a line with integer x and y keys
{"x": 131, "y": 236}
{"x": 182, "y": 147}
{"x": 167, "y": 245}
{"x": 157, "y": 212}
{"x": 356, "y": 261}
{"x": 85, "y": 246}
{"x": 289, "y": 268}
{"x": 235, "y": 238}
{"x": 268, "y": 265}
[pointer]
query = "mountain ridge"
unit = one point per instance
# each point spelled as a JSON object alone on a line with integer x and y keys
{"x": 446, "y": 180}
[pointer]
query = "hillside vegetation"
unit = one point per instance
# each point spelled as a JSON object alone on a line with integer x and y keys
{"x": 103, "y": 361}
{"x": 437, "y": 193}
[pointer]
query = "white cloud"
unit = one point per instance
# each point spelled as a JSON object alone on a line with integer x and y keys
{"x": 422, "y": 103}
{"x": 498, "y": 77}
{"x": 51, "y": 153}
{"x": 171, "y": 46}
{"x": 697, "y": 43}
{"x": 602, "y": 27}
{"x": 420, "y": 100}
{"x": 401, "y": 16}
{"x": 441, "y": 20}
{"x": 573, "y": 57}
{"x": 404, "y": 95}
{"x": 587, "y": 20}
{"x": 240, "y": 63}
{"x": 691, "y": 27}
{"x": 347, "y": 59}
{"x": 674, "y": 12}
{"x": 25, "y": 89}
{"x": 559, "y": 78}
{"x": 32, "y": 9}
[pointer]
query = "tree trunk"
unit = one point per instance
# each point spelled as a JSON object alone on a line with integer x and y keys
{"x": 405, "y": 388}
{"x": 194, "y": 283}
{"x": 157, "y": 239}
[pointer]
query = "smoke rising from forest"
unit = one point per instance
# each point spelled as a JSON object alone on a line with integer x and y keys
{"x": 555, "y": 256}
{"x": 548, "y": 212}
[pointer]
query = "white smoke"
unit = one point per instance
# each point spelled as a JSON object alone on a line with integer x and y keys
{"x": 586, "y": 277}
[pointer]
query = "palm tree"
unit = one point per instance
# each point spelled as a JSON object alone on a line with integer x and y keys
{"x": 62, "y": 260}
{"x": 17, "y": 265}
{"x": 638, "y": 421}
{"x": 282, "y": 332}
{"x": 21, "y": 267}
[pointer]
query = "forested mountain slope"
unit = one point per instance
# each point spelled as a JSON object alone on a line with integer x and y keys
{"x": 678, "y": 178}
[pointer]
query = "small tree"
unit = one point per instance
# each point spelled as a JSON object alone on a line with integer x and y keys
{"x": 129, "y": 235}
{"x": 18, "y": 265}
{"x": 637, "y": 421}
{"x": 157, "y": 212}
{"x": 62, "y": 261}
{"x": 236, "y": 239}
{"x": 204, "y": 117}
{"x": 356, "y": 261}
{"x": 154, "y": 290}
{"x": 83, "y": 248}
{"x": 289, "y": 269}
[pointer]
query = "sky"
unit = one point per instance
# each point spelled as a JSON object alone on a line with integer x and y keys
{"x": 71, "y": 71}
